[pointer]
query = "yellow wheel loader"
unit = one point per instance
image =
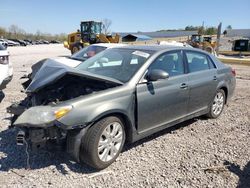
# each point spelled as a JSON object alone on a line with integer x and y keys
{"x": 203, "y": 42}
{"x": 90, "y": 33}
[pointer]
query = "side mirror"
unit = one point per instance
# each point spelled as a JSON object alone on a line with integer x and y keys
{"x": 157, "y": 74}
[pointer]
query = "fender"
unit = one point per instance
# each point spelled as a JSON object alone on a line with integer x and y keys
{"x": 74, "y": 139}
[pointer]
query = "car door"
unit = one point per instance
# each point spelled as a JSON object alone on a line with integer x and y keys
{"x": 202, "y": 80}
{"x": 163, "y": 101}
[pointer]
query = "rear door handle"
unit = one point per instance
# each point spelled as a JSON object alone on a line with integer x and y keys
{"x": 215, "y": 78}
{"x": 183, "y": 86}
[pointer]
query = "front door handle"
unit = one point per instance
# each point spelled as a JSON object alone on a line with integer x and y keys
{"x": 215, "y": 78}
{"x": 183, "y": 86}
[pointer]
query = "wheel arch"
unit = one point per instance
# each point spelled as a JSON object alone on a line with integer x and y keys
{"x": 225, "y": 89}
{"x": 128, "y": 125}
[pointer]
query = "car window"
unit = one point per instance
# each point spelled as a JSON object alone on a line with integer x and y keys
{"x": 197, "y": 61}
{"x": 172, "y": 63}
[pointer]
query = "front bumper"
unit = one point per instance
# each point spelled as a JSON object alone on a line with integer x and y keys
{"x": 5, "y": 82}
{"x": 52, "y": 138}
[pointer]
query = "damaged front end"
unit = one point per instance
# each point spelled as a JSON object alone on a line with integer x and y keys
{"x": 39, "y": 127}
{"x": 38, "y": 116}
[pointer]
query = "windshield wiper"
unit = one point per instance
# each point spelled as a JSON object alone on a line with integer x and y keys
{"x": 77, "y": 58}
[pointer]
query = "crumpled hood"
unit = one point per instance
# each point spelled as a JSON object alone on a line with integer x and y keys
{"x": 68, "y": 61}
{"x": 51, "y": 71}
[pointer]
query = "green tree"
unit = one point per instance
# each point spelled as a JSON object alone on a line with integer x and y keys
{"x": 192, "y": 28}
{"x": 2, "y": 32}
{"x": 211, "y": 31}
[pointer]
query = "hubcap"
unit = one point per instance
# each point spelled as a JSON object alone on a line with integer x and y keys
{"x": 218, "y": 103}
{"x": 110, "y": 141}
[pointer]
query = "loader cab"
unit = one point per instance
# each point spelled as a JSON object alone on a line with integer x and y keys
{"x": 197, "y": 38}
{"x": 90, "y": 30}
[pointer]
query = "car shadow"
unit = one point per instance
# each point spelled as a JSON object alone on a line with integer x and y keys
{"x": 244, "y": 175}
{"x": 160, "y": 133}
{"x": 15, "y": 157}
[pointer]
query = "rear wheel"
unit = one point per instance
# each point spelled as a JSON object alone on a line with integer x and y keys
{"x": 217, "y": 105}
{"x": 103, "y": 142}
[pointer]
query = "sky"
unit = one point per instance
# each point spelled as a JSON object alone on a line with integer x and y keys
{"x": 61, "y": 16}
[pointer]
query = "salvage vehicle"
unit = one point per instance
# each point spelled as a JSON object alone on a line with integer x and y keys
{"x": 6, "y": 69}
{"x": 121, "y": 94}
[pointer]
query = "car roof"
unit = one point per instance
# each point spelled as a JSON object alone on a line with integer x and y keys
{"x": 153, "y": 47}
{"x": 158, "y": 48}
{"x": 109, "y": 45}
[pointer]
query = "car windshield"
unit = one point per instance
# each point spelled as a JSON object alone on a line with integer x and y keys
{"x": 119, "y": 64}
{"x": 88, "y": 52}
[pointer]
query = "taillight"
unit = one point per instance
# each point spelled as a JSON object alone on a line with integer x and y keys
{"x": 233, "y": 72}
{"x": 4, "y": 60}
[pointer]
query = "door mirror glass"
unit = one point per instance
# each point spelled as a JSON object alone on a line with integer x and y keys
{"x": 157, "y": 74}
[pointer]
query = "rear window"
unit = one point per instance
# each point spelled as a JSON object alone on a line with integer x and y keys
{"x": 197, "y": 61}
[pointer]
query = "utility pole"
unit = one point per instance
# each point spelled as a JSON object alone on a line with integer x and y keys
{"x": 218, "y": 38}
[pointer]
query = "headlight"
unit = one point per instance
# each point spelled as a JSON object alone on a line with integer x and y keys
{"x": 62, "y": 112}
{"x": 41, "y": 115}
{"x": 4, "y": 60}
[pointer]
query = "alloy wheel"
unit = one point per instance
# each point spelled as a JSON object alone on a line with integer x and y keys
{"x": 110, "y": 141}
{"x": 218, "y": 103}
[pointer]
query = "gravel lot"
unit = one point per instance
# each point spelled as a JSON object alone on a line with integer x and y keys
{"x": 198, "y": 153}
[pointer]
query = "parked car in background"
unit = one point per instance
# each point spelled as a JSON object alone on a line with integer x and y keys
{"x": 12, "y": 43}
{"x": 120, "y": 94}
{"x": 54, "y": 42}
{"x": 6, "y": 69}
{"x": 28, "y": 42}
{"x": 45, "y": 42}
{"x": 21, "y": 42}
{"x": 85, "y": 53}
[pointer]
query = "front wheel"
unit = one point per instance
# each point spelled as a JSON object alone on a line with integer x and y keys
{"x": 217, "y": 105}
{"x": 103, "y": 142}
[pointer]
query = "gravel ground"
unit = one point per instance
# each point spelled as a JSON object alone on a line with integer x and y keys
{"x": 198, "y": 153}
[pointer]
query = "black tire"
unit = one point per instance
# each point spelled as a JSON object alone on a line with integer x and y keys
{"x": 89, "y": 148}
{"x": 211, "y": 113}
